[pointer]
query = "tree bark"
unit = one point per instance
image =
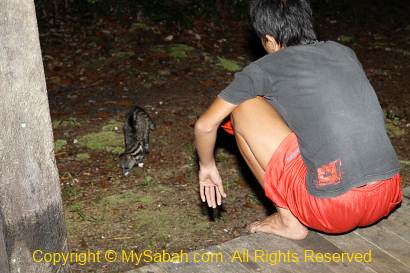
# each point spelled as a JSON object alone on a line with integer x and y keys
{"x": 31, "y": 212}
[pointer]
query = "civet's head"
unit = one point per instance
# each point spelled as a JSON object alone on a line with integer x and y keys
{"x": 135, "y": 156}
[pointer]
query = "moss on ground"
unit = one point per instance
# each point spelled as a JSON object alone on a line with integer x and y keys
{"x": 82, "y": 156}
{"x": 139, "y": 25}
{"x": 126, "y": 198}
{"x": 59, "y": 145}
{"x": 142, "y": 216}
{"x": 110, "y": 139}
{"x": 123, "y": 54}
{"x": 177, "y": 51}
{"x": 67, "y": 123}
{"x": 229, "y": 65}
{"x": 112, "y": 125}
{"x": 168, "y": 224}
{"x": 394, "y": 130}
{"x": 107, "y": 141}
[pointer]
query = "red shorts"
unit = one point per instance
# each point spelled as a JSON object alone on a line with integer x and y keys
{"x": 285, "y": 185}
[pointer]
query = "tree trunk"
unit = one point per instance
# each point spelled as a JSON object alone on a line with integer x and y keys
{"x": 31, "y": 212}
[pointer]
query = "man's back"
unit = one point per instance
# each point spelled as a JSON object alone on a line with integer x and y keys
{"x": 323, "y": 94}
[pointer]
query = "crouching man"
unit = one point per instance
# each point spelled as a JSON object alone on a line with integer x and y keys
{"x": 310, "y": 127}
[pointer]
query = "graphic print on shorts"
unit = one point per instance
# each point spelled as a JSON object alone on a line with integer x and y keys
{"x": 329, "y": 173}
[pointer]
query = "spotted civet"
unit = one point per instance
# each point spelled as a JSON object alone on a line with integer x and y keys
{"x": 136, "y": 137}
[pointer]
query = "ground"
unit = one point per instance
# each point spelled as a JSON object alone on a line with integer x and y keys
{"x": 98, "y": 70}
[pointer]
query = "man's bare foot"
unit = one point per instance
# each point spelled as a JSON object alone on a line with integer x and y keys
{"x": 290, "y": 227}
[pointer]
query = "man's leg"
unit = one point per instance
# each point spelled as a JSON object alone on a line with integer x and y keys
{"x": 259, "y": 130}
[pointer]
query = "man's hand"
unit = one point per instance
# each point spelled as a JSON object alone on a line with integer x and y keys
{"x": 210, "y": 186}
{"x": 210, "y": 183}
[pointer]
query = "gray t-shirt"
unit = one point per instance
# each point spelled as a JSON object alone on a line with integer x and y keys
{"x": 324, "y": 96}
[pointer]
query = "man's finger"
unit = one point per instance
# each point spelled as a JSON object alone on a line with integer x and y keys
{"x": 202, "y": 192}
{"x": 208, "y": 196}
{"x": 221, "y": 190}
{"x": 213, "y": 197}
{"x": 218, "y": 197}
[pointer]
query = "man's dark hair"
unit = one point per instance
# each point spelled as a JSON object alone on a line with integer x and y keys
{"x": 290, "y": 22}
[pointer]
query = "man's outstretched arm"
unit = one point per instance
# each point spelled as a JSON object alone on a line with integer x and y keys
{"x": 210, "y": 182}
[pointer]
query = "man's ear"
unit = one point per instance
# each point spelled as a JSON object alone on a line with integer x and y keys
{"x": 272, "y": 43}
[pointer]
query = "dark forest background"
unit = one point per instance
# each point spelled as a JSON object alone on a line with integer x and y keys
{"x": 183, "y": 12}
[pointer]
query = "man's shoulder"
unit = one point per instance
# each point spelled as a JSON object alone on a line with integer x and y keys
{"x": 326, "y": 50}
{"x": 320, "y": 47}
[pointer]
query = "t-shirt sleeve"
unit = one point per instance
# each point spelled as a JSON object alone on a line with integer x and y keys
{"x": 247, "y": 84}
